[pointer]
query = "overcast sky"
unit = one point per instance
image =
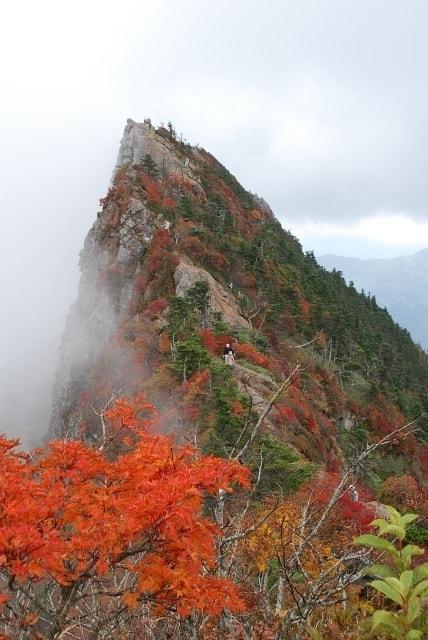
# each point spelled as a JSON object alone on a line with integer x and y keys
{"x": 318, "y": 105}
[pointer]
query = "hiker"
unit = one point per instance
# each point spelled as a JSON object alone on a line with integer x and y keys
{"x": 229, "y": 357}
{"x": 226, "y": 350}
{"x": 354, "y": 494}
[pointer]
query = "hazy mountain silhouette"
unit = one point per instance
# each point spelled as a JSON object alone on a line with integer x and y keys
{"x": 399, "y": 284}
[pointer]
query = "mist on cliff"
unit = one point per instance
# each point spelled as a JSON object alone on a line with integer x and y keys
{"x": 51, "y": 181}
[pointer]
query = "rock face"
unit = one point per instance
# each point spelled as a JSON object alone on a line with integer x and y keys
{"x": 142, "y": 139}
{"x": 113, "y": 247}
{"x": 221, "y": 301}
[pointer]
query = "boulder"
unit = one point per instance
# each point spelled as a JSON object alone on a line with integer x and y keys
{"x": 221, "y": 300}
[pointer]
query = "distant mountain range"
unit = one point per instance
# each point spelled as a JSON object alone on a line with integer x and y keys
{"x": 399, "y": 284}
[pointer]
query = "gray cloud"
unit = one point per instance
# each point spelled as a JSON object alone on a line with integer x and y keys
{"x": 336, "y": 92}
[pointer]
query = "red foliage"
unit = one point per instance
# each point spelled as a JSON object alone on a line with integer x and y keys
{"x": 305, "y": 307}
{"x": 151, "y": 188}
{"x": 119, "y": 196}
{"x": 237, "y": 407}
{"x": 196, "y": 387}
{"x": 71, "y": 513}
{"x": 355, "y": 516}
{"x": 215, "y": 344}
{"x": 191, "y": 412}
{"x": 311, "y": 423}
{"x": 169, "y": 203}
{"x": 273, "y": 340}
{"x": 155, "y": 308}
{"x": 285, "y": 414}
{"x": 195, "y": 247}
{"x": 164, "y": 343}
{"x": 199, "y": 250}
{"x": 384, "y": 416}
{"x": 246, "y": 279}
{"x": 159, "y": 265}
{"x": 403, "y": 492}
{"x": 424, "y": 463}
{"x": 250, "y": 353}
{"x": 179, "y": 185}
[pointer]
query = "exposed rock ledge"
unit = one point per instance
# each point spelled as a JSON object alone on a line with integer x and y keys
{"x": 259, "y": 386}
{"x": 186, "y": 275}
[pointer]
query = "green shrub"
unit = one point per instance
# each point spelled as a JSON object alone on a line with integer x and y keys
{"x": 402, "y": 584}
{"x": 150, "y": 165}
{"x": 283, "y": 470}
{"x": 191, "y": 357}
{"x": 417, "y": 534}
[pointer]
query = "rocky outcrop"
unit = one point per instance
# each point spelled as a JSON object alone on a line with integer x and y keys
{"x": 139, "y": 140}
{"x": 142, "y": 139}
{"x": 260, "y": 387}
{"x": 136, "y": 231}
{"x": 221, "y": 300}
{"x": 109, "y": 264}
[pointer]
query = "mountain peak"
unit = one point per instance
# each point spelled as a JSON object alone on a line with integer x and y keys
{"x": 142, "y": 138}
{"x": 181, "y": 261}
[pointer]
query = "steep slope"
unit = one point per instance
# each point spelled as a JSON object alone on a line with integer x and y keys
{"x": 399, "y": 284}
{"x": 181, "y": 260}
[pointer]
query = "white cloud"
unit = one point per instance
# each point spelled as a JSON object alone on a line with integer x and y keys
{"x": 384, "y": 233}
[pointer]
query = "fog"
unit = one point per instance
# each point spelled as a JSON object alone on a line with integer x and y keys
{"x": 55, "y": 176}
{"x": 318, "y": 106}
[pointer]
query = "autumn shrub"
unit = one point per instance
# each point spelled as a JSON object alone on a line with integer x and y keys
{"x": 197, "y": 249}
{"x": 283, "y": 470}
{"x": 401, "y": 492}
{"x": 249, "y": 352}
{"x": 76, "y": 522}
{"x": 349, "y": 515}
{"x": 151, "y": 188}
{"x": 215, "y": 343}
{"x": 155, "y": 308}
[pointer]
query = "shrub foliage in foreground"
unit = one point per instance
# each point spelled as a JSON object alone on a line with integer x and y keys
{"x": 94, "y": 529}
{"x": 404, "y": 585}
